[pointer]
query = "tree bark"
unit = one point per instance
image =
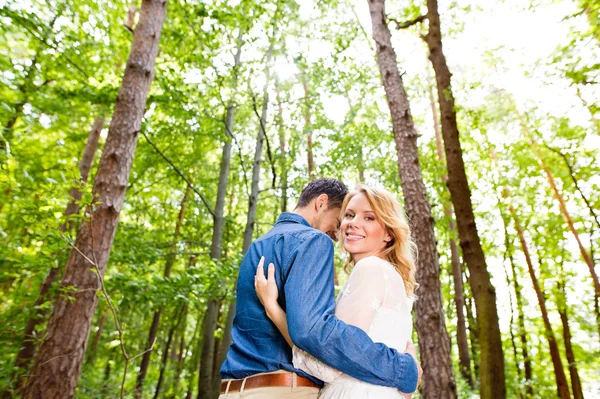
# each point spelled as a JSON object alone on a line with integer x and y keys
{"x": 206, "y": 364}
{"x": 561, "y": 379}
{"x": 517, "y": 288}
{"x": 520, "y": 313}
{"x": 170, "y": 261}
{"x": 282, "y": 151}
{"x": 205, "y": 380}
{"x": 434, "y": 343}
{"x": 180, "y": 314}
{"x": 28, "y": 346}
{"x": 93, "y": 350}
{"x": 459, "y": 296}
{"x": 472, "y": 327}
{"x": 562, "y": 205}
{"x": 492, "y": 379}
{"x": 512, "y": 334}
{"x": 251, "y": 215}
{"x": 58, "y": 362}
{"x": 564, "y": 318}
{"x": 308, "y": 130}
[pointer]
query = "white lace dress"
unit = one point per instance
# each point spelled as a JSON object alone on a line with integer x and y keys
{"x": 374, "y": 299}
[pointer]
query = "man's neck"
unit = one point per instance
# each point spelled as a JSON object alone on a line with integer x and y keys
{"x": 305, "y": 213}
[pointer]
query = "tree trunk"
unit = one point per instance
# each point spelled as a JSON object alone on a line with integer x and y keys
{"x": 180, "y": 351}
{"x": 93, "y": 350}
{"x": 170, "y": 261}
{"x": 181, "y": 313}
{"x": 28, "y": 346}
{"x": 564, "y": 318}
{"x": 518, "y": 293}
{"x": 472, "y": 327}
{"x": 434, "y": 343}
{"x": 205, "y": 382}
{"x": 520, "y": 314}
{"x": 308, "y": 130}
{"x": 597, "y": 223}
{"x": 58, "y": 362}
{"x": 206, "y": 364}
{"x": 195, "y": 361}
{"x": 512, "y": 334}
{"x": 459, "y": 297}
{"x": 561, "y": 379}
{"x": 492, "y": 380}
{"x": 251, "y": 219}
{"x": 562, "y": 205}
{"x": 282, "y": 151}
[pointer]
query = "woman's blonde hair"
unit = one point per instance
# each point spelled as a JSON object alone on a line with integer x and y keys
{"x": 401, "y": 250}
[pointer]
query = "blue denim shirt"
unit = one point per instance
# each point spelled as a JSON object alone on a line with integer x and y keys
{"x": 303, "y": 258}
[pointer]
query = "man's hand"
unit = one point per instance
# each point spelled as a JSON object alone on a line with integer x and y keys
{"x": 411, "y": 350}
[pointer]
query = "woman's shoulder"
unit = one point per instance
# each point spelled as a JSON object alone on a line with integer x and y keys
{"x": 372, "y": 263}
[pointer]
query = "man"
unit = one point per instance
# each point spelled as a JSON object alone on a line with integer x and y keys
{"x": 259, "y": 361}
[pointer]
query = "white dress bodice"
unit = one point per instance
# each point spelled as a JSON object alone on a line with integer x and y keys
{"x": 373, "y": 299}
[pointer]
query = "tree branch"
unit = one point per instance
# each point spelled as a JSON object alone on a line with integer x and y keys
{"x": 407, "y": 24}
{"x": 262, "y": 126}
{"x": 179, "y": 173}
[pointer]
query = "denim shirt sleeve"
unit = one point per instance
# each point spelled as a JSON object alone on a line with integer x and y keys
{"x": 314, "y": 328}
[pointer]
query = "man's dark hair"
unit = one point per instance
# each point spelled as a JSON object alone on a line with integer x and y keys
{"x": 336, "y": 192}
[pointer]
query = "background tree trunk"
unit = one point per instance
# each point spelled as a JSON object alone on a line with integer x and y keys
{"x": 206, "y": 368}
{"x": 563, "y": 208}
{"x": 308, "y": 130}
{"x": 434, "y": 343}
{"x": 282, "y": 150}
{"x": 58, "y": 362}
{"x": 154, "y": 326}
{"x": 28, "y": 346}
{"x": 563, "y": 310}
{"x": 491, "y": 373}
{"x": 459, "y": 296}
{"x": 561, "y": 379}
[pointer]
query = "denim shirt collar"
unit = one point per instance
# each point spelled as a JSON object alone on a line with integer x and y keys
{"x": 293, "y": 218}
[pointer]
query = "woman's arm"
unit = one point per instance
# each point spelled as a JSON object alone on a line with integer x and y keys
{"x": 267, "y": 292}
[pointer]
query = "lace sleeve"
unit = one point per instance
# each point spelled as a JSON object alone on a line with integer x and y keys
{"x": 308, "y": 363}
{"x": 362, "y": 296}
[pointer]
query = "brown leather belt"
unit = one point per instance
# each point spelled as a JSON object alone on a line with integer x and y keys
{"x": 267, "y": 380}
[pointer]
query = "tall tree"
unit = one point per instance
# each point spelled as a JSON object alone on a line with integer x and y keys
{"x": 564, "y": 318}
{"x": 206, "y": 376}
{"x": 562, "y": 205}
{"x": 154, "y": 326}
{"x": 283, "y": 153}
{"x": 58, "y": 362}
{"x": 308, "y": 128}
{"x": 491, "y": 358}
{"x": 520, "y": 313}
{"x": 28, "y": 346}
{"x": 434, "y": 343}
{"x": 561, "y": 379}
{"x": 457, "y": 273}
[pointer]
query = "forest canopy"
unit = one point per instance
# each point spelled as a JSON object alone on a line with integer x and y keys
{"x": 145, "y": 144}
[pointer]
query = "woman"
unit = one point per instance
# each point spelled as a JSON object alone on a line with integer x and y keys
{"x": 378, "y": 295}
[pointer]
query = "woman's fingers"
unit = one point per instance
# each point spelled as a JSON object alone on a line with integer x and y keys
{"x": 260, "y": 271}
{"x": 271, "y": 272}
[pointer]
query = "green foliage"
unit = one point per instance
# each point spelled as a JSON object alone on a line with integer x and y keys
{"x": 62, "y": 64}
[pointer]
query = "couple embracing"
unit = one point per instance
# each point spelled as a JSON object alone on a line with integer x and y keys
{"x": 290, "y": 337}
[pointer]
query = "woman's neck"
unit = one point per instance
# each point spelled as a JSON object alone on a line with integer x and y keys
{"x": 358, "y": 257}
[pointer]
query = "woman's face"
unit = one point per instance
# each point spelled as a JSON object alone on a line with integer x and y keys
{"x": 363, "y": 234}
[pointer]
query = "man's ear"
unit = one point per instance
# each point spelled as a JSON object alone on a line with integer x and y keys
{"x": 322, "y": 202}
